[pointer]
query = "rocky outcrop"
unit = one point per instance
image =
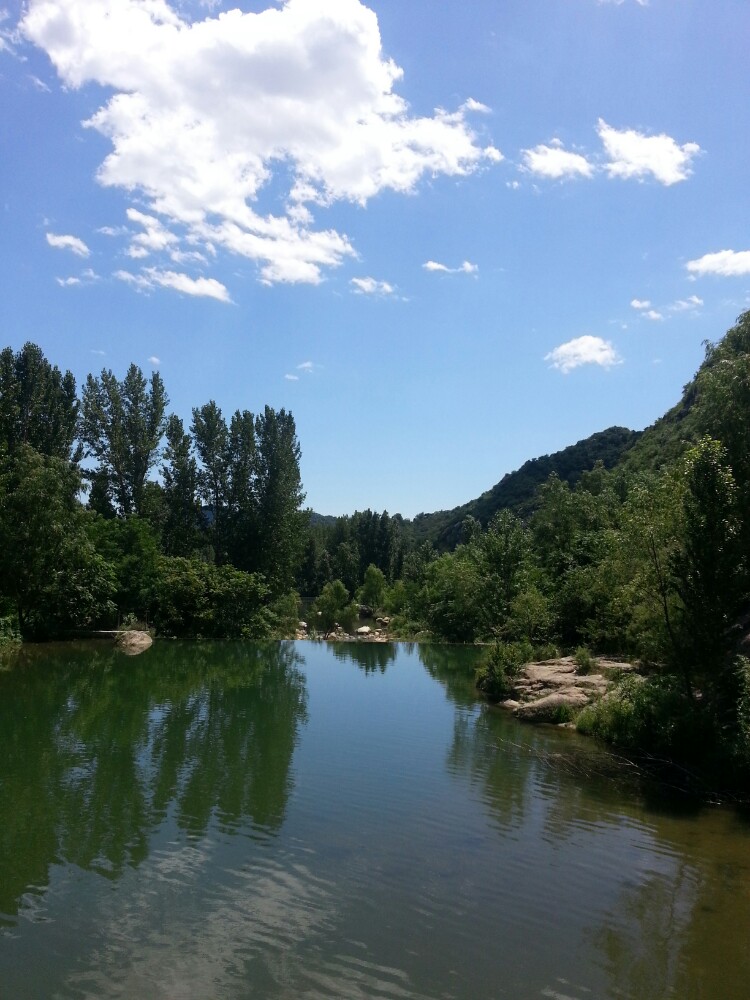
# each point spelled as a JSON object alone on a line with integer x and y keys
{"x": 554, "y": 691}
{"x": 133, "y": 642}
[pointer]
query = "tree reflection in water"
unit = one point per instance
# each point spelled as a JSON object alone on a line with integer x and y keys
{"x": 96, "y": 748}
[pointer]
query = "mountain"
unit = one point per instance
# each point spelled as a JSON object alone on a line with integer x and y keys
{"x": 516, "y": 491}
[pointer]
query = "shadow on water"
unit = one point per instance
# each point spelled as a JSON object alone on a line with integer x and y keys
{"x": 96, "y": 748}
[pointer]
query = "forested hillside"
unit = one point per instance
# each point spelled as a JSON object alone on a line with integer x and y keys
{"x": 518, "y": 491}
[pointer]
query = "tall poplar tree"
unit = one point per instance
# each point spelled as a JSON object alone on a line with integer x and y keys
{"x": 38, "y": 404}
{"x": 122, "y": 426}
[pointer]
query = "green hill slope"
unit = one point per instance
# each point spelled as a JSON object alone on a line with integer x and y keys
{"x": 517, "y": 490}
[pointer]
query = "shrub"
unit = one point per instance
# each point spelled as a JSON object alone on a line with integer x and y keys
{"x": 546, "y": 652}
{"x": 652, "y": 715}
{"x": 584, "y": 660}
{"x": 501, "y": 667}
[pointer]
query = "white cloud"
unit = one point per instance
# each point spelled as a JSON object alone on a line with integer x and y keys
{"x": 308, "y": 366}
{"x": 585, "y": 350}
{"x": 653, "y": 314}
{"x": 634, "y": 154}
{"x": 152, "y": 277}
{"x": 68, "y": 282}
{"x": 472, "y": 105}
{"x": 728, "y": 263}
{"x": 153, "y": 360}
{"x": 683, "y": 305}
{"x": 154, "y": 238}
{"x": 555, "y": 162}
{"x": 370, "y": 286}
{"x": 205, "y": 113}
{"x": 68, "y": 243}
{"x": 292, "y": 378}
{"x": 39, "y": 84}
{"x": 619, "y": 3}
{"x": 465, "y": 268}
{"x": 640, "y": 303}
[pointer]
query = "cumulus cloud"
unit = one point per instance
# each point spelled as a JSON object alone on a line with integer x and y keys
{"x": 653, "y": 314}
{"x": 465, "y": 268}
{"x": 634, "y": 154}
{"x": 585, "y": 350}
{"x": 153, "y": 360}
{"x": 152, "y": 277}
{"x": 728, "y": 263}
{"x": 640, "y": 303}
{"x": 205, "y": 114}
{"x": 292, "y": 378}
{"x": 68, "y": 282}
{"x": 307, "y": 366}
{"x": 556, "y": 162}
{"x": 77, "y": 246}
{"x": 370, "y": 286}
{"x": 688, "y": 304}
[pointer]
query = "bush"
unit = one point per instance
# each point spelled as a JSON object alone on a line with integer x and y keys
{"x": 199, "y": 599}
{"x": 652, "y": 715}
{"x": 504, "y": 662}
{"x": 546, "y": 652}
{"x": 585, "y": 662}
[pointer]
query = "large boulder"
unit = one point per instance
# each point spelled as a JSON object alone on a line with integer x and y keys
{"x": 133, "y": 642}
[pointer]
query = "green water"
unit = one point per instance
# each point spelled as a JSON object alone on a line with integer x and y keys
{"x": 222, "y": 820}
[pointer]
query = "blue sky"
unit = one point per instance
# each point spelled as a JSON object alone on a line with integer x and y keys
{"x": 449, "y": 237}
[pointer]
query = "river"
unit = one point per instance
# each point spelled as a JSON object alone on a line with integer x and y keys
{"x": 210, "y": 821}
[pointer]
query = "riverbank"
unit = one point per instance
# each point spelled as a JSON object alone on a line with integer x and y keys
{"x": 556, "y": 691}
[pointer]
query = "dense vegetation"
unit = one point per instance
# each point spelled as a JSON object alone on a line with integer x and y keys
{"x": 210, "y": 549}
{"x": 635, "y": 545}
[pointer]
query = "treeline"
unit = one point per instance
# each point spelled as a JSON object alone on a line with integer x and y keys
{"x": 212, "y": 547}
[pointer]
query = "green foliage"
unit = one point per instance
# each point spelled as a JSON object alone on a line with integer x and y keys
{"x": 652, "y": 715}
{"x": 517, "y": 491}
{"x": 121, "y": 426}
{"x": 38, "y": 404}
{"x": 501, "y": 667}
{"x": 181, "y": 533}
{"x": 201, "y": 599}
{"x": 332, "y": 606}
{"x": 10, "y": 634}
{"x": 585, "y": 662}
{"x": 372, "y": 591}
{"x": 49, "y": 569}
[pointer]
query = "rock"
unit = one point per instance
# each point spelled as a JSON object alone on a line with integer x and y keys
{"x": 552, "y": 707}
{"x": 364, "y": 630}
{"x": 133, "y": 642}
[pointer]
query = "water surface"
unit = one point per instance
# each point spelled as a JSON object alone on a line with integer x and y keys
{"x": 225, "y": 820}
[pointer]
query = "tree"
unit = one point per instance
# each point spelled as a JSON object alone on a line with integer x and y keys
{"x": 242, "y": 498}
{"x": 708, "y": 568}
{"x": 180, "y": 477}
{"x": 372, "y": 591}
{"x": 49, "y": 568}
{"x": 211, "y": 439}
{"x": 122, "y": 426}
{"x": 38, "y": 404}
{"x": 280, "y": 520}
{"x": 333, "y": 608}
